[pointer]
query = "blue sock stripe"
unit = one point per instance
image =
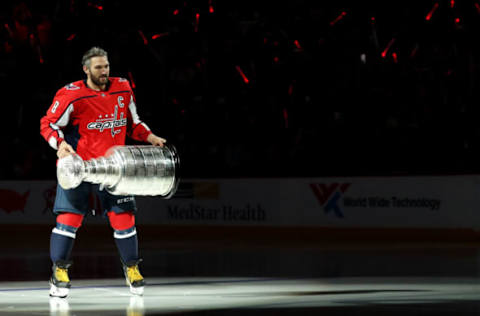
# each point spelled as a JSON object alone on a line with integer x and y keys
{"x": 66, "y": 228}
{"x": 125, "y": 233}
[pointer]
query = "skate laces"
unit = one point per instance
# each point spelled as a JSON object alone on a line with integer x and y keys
{"x": 134, "y": 274}
{"x": 61, "y": 274}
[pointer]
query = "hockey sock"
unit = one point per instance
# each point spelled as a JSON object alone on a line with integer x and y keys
{"x": 63, "y": 236}
{"x": 125, "y": 235}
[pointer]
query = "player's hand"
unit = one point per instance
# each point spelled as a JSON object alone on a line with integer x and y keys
{"x": 64, "y": 150}
{"x": 155, "y": 140}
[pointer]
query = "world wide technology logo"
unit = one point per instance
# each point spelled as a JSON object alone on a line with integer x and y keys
{"x": 329, "y": 196}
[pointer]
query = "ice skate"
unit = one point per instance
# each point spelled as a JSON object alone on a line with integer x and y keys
{"x": 60, "y": 282}
{"x": 133, "y": 277}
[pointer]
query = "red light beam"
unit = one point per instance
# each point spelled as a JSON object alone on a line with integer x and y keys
{"x": 96, "y": 6}
{"x": 430, "y": 14}
{"x": 197, "y": 21}
{"x": 290, "y": 89}
{"x": 159, "y": 35}
{"x": 145, "y": 40}
{"x": 395, "y": 57}
{"x": 131, "y": 80}
{"x": 210, "y": 6}
{"x": 385, "y": 51}
{"x": 245, "y": 79}
{"x": 297, "y": 45}
{"x": 338, "y": 18}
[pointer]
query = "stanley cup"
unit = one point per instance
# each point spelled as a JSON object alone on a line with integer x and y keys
{"x": 125, "y": 170}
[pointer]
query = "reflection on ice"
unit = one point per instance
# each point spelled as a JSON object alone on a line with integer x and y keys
{"x": 59, "y": 306}
{"x": 136, "y": 306}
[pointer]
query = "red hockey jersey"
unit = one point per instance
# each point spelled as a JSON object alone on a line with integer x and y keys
{"x": 93, "y": 121}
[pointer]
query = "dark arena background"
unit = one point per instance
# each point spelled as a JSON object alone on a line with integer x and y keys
{"x": 329, "y": 156}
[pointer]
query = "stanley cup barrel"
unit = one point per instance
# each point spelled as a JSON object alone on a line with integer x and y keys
{"x": 125, "y": 170}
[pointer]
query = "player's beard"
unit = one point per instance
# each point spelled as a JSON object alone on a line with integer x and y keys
{"x": 100, "y": 80}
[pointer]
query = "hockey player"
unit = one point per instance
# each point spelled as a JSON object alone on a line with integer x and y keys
{"x": 88, "y": 117}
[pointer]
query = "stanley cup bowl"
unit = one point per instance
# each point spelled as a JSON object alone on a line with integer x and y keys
{"x": 125, "y": 170}
{"x": 146, "y": 170}
{"x": 70, "y": 171}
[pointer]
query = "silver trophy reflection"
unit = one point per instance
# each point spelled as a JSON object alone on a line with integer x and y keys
{"x": 125, "y": 170}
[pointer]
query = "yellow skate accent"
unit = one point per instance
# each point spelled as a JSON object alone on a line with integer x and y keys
{"x": 61, "y": 275}
{"x": 133, "y": 274}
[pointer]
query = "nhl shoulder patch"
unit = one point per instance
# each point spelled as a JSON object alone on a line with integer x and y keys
{"x": 71, "y": 86}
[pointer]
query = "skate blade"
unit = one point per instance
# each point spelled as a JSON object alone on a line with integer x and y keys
{"x": 55, "y": 291}
{"x": 137, "y": 290}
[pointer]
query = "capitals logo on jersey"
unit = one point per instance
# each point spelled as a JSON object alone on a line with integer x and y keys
{"x": 111, "y": 122}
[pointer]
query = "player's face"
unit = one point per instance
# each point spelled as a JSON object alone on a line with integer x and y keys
{"x": 99, "y": 70}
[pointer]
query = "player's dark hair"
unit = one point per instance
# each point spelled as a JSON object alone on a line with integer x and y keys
{"x": 93, "y": 52}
